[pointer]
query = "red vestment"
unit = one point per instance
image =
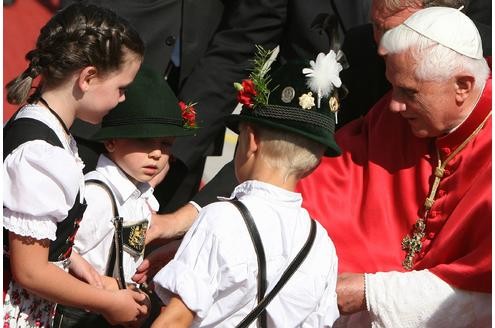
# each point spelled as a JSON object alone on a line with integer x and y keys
{"x": 369, "y": 198}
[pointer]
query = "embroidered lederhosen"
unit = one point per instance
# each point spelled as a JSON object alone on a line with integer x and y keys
{"x": 15, "y": 133}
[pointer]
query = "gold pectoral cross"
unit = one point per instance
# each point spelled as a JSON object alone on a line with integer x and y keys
{"x": 413, "y": 244}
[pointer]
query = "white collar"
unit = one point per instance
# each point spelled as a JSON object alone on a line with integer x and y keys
{"x": 122, "y": 187}
{"x": 265, "y": 190}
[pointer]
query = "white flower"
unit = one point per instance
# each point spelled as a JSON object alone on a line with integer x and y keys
{"x": 323, "y": 75}
{"x": 307, "y": 101}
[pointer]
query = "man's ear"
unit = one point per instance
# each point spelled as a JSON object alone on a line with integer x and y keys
{"x": 86, "y": 75}
{"x": 464, "y": 85}
{"x": 109, "y": 145}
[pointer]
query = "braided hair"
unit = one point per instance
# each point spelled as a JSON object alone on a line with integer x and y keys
{"x": 81, "y": 35}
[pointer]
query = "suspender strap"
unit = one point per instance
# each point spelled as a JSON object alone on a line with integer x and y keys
{"x": 115, "y": 264}
{"x": 260, "y": 254}
{"x": 293, "y": 266}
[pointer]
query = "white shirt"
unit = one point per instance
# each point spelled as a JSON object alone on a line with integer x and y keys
{"x": 41, "y": 181}
{"x": 134, "y": 203}
{"x": 215, "y": 269}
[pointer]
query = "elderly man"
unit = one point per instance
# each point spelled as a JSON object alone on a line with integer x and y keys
{"x": 409, "y": 201}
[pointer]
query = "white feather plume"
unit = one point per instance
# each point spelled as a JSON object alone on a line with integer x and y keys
{"x": 323, "y": 75}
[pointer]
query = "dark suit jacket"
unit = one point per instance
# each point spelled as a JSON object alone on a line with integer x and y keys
{"x": 227, "y": 60}
{"x": 162, "y": 23}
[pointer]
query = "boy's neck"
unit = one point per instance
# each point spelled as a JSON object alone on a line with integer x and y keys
{"x": 265, "y": 173}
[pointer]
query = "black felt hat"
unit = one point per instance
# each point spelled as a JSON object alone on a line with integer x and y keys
{"x": 290, "y": 104}
{"x": 150, "y": 110}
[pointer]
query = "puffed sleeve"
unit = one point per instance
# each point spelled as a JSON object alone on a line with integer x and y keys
{"x": 192, "y": 273}
{"x": 203, "y": 265}
{"x": 40, "y": 185}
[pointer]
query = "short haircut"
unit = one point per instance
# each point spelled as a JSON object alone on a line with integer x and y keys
{"x": 295, "y": 154}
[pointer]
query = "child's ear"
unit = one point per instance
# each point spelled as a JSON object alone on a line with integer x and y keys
{"x": 109, "y": 145}
{"x": 86, "y": 75}
{"x": 252, "y": 139}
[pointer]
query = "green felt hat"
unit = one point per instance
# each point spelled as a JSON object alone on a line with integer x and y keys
{"x": 150, "y": 110}
{"x": 290, "y": 104}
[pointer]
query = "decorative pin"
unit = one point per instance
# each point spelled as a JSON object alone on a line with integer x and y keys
{"x": 288, "y": 93}
{"x": 334, "y": 107}
{"x": 307, "y": 101}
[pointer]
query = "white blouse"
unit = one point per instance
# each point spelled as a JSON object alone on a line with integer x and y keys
{"x": 215, "y": 269}
{"x": 134, "y": 203}
{"x": 41, "y": 181}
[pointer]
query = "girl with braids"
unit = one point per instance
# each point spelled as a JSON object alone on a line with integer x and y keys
{"x": 85, "y": 56}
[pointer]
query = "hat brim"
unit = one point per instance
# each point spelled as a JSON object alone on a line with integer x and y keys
{"x": 142, "y": 131}
{"x": 325, "y": 137}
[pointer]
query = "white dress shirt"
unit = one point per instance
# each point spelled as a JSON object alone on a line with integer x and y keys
{"x": 41, "y": 181}
{"x": 215, "y": 269}
{"x": 135, "y": 203}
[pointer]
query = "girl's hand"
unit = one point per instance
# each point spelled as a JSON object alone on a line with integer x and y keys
{"x": 81, "y": 269}
{"x": 126, "y": 307}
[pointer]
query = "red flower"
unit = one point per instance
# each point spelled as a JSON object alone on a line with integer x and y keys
{"x": 188, "y": 115}
{"x": 246, "y": 93}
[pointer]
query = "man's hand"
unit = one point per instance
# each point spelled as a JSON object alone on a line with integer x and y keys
{"x": 350, "y": 293}
{"x": 155, "y": 261}
{"x": 171, "y": 226}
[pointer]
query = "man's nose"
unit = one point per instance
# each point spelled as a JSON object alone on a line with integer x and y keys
{"x": 396, "y": 105}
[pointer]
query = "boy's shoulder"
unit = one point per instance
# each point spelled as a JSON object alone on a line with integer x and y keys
{"x": 220, "y": 216}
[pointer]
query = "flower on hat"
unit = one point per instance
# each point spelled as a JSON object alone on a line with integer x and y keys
{"x": 307, "y": 101}
{"x": 188, "y": 115}
{"x": 254, "y": 91}
{"x": 246, "y": 92}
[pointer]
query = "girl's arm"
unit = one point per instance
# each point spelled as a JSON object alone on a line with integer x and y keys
{"x": 175, "y": 314}
{"x": 31, "y": 269}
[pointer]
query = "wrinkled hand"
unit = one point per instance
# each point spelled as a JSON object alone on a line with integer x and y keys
{"x": 155, "y": 261}
{"x": 350, "y": 293}
{"x": 127, "y": 307}
{"x": 81, "y": 269}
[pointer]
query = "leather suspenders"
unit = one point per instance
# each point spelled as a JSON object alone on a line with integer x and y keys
{"x": 263, "y": 300}
{"x": 115, "y": 264}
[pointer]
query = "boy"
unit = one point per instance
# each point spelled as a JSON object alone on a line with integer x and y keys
{"x": 137, "y": 136}
{"x": 213, "y": 281}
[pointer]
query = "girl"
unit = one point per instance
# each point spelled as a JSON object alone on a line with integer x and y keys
{"x": 85, "y": 57}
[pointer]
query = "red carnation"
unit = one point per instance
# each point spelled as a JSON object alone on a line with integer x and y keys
{"x": 188, "y": 115}
{"x": 246, "y": 93}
